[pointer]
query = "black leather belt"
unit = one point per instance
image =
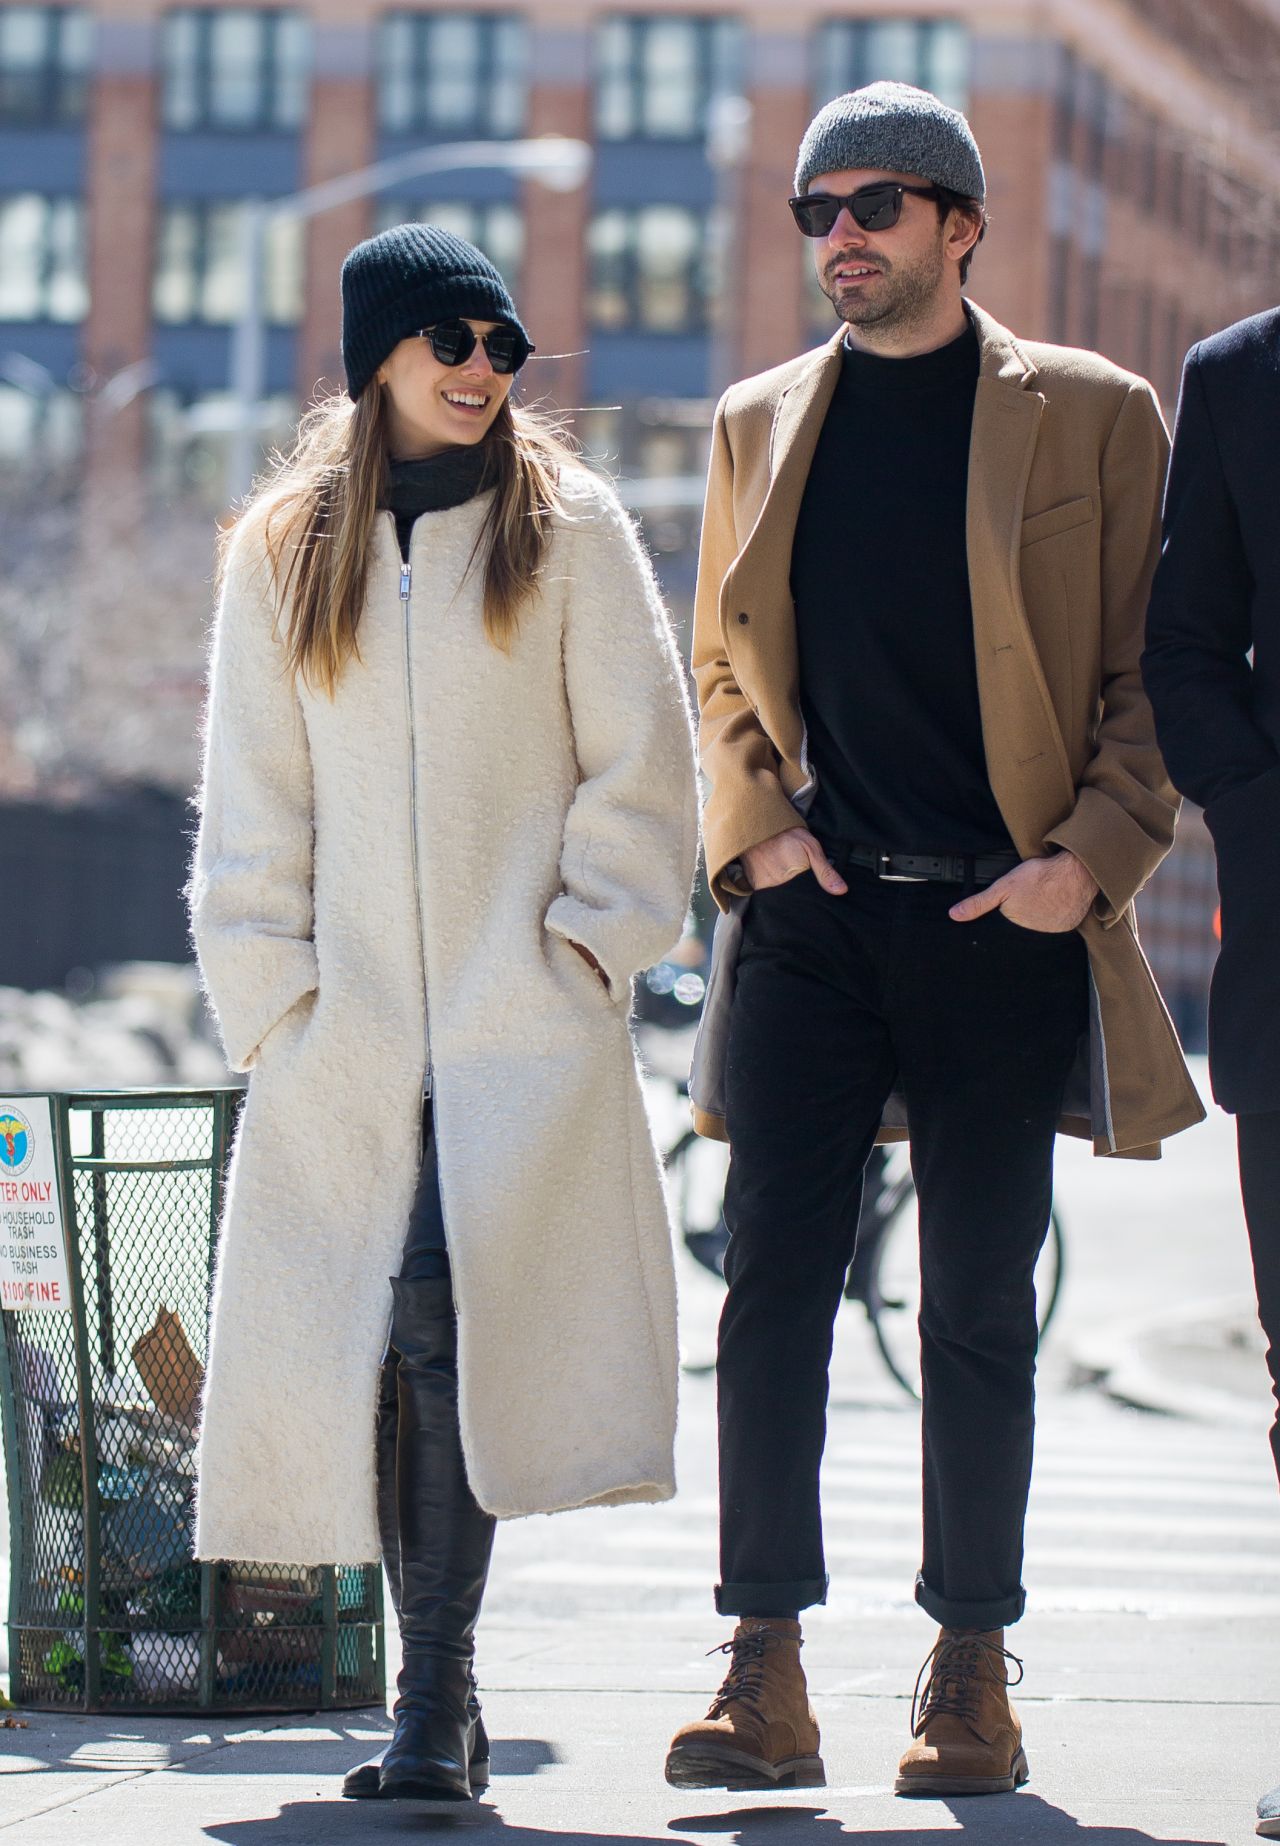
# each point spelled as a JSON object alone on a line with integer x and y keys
{"x": 920, "y": 868}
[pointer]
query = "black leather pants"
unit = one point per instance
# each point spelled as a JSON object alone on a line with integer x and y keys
{"x": 425, "y": 1255}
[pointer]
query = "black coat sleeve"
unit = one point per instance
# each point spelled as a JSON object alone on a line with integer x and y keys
{"x": 1196, "y": 666}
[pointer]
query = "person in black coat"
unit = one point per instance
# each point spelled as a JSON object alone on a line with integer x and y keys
{"x": 1212, "y": 673}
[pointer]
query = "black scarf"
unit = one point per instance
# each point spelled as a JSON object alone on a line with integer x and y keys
{"x": 432, "y": 485}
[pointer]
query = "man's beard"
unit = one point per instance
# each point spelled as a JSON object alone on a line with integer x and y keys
{"x": 903, "y": 298}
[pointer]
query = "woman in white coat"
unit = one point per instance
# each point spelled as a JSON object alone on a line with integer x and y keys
{"x": 447, "y": 813}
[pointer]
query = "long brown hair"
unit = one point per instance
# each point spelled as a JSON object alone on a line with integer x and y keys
{"x": 316, "y": 506}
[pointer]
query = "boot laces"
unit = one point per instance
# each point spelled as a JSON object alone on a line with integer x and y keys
{"x": 954, "y": 1669}
{"x": 744, "y": 1682}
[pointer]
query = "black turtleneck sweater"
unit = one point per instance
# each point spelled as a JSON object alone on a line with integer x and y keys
{"x": 880, "y": 578}
{"x": 414, "y": 487}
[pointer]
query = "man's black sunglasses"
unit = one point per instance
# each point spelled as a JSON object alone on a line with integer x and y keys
{"x": 876, "y": 207}
{"x": 453, "y": 342}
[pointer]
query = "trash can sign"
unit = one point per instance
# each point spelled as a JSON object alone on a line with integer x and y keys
{"x": 33, "y": 1251}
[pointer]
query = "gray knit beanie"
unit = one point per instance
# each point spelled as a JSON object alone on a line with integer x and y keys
{"x": 898, "y": 129}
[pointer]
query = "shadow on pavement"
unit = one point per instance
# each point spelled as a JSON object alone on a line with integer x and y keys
{"x": 995, "y": 1818}
{"x": 522, "y": 1755}
{"x": 307, "y": 1823}
{"x": 75, "y": 1744}
{"x": 1026, "y": 1819}
{"x": 78, "y": 1745}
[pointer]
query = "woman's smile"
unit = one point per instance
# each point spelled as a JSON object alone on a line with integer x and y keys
{"x": 470, "y": 403}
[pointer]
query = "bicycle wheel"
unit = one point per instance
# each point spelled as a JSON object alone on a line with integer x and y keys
{"x": 893, "y": 1287}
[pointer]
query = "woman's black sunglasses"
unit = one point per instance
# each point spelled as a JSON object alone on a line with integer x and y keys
{"x": 876, "y": 207}
{"x": 453, "y": 342}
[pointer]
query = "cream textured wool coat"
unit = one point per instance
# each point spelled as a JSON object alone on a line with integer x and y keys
{"x": 554, "y": 798}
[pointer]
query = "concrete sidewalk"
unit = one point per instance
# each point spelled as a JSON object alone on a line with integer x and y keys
{"x": 1151, "y": 1703}
{"x": 584, "y": 1766}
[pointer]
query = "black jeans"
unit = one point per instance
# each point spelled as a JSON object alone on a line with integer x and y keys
{"x": 1258, "y": 1139}
{"x": 838, "y": 999}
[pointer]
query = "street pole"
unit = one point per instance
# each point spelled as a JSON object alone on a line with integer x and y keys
{"x": 728, "y": 145}
{"x": 557, "y": 161}
{"x": 248, "y": 349}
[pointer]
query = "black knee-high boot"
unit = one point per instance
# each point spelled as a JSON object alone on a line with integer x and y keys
{"x": 445, "y": 1543}
{"x": 361, "y": 1784}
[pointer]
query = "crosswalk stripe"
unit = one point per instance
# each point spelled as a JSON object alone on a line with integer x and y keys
{"x": 881, "y": 1592}
{"x": 1248, "y": 1472}
{"x": 1261, "y": 1522}
{"x": 1181, "y": 1492}
{"x": 1115, "y": 1560}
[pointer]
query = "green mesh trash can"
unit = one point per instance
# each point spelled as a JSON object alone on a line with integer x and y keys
{"x": 109, "y": 1207}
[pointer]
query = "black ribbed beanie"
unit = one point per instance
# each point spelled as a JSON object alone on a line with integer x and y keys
{"x": 410, "y": 277}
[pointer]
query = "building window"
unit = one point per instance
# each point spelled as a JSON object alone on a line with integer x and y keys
{"x": 44, "y": 64}
{"x": 42, "y": 268}
{"x": 498, "y": 230}
{"x": 188, "y": 438}
{"x": 1094, "y": 111}
{"x": 651, "y": 270}
{"x": 931, "y": 53}
{"x": 451, "y": 73}
{"x": 656, "y": 78}
{"x": 45, "y": 427}
{"x": 1064, "y": 108}
{"x": 655, "y": 449}
{"x": 199, "y": 267}
{"x": 235, "y": 68}
{"x": 1115, "y": 158}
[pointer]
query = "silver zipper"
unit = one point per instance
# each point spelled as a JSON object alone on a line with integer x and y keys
{"x": 406, "y": 586}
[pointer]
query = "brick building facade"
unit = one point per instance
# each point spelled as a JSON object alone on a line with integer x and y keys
{"x": 1134, "y": 193}
{"x": 1135, "y": 182}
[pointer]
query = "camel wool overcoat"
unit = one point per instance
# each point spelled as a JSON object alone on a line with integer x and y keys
{"x": 1066, "y": 467}
{"x": 385, "y": 890}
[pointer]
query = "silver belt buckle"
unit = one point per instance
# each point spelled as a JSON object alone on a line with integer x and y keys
{"x": 895, "y": 878}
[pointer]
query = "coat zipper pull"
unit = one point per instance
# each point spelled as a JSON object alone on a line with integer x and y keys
{"x": 406, "y": 580}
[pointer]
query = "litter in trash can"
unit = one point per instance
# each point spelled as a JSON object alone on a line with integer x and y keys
{"x": 169, "y": 1369}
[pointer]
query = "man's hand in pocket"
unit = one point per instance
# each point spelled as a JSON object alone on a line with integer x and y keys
{"x": 789, "y": 855}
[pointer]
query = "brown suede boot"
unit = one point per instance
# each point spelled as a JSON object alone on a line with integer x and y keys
{"x": 760, "y": 1731}
{"x": 968, "y": 1739}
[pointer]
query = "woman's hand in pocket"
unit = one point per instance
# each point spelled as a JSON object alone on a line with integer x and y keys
{"x": 591, "y": 961}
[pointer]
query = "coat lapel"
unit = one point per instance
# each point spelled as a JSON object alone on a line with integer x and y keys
{"x": 760, "y": 578}
{"x": 1026, "y": 758}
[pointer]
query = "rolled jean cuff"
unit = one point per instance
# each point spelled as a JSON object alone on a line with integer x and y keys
{"x": 769, "y": 1598}
{"x": 1000, "y": 1614}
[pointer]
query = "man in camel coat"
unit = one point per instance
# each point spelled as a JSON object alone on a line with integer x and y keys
{"x": 934, "y": 795}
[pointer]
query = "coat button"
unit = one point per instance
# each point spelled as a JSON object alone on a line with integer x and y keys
{"x": 744, "y": 619}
